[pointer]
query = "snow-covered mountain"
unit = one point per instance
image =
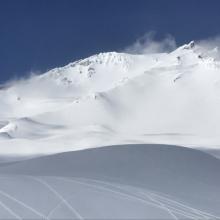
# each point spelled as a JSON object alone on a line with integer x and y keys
{"x": 115, "y": 98}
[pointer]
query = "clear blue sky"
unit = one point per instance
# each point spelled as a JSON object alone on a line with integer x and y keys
{"x": 37, "y": 35}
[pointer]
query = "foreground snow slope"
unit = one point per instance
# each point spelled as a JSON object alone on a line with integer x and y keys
{"x": 115, "y": 98}
{"x": 115, "y": 182}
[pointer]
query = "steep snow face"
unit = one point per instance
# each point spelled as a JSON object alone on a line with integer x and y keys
{"x": 114, "y": 98}
{"x": 100, "y": 72}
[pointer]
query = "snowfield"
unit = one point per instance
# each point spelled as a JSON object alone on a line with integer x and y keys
{"x": 115, "y": 98}
{"x": 114, "y": 182}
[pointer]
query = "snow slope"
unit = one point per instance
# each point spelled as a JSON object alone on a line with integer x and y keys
{"x": 114, "y": 182}
{"x": 115, "y": 98}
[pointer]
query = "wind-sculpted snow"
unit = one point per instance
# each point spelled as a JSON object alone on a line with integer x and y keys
{"x": 115, "y": 98}
{"x": 115, "y": 182}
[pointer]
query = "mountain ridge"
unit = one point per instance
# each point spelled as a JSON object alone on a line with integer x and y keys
{"x": 115, "y": 98}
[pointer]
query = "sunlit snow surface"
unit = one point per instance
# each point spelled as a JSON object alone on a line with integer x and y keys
{"x": 115, "y": 98}
{"x": 116, "y": 182}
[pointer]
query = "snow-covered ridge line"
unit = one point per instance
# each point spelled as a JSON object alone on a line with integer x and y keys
{"x": 69, "y": 108}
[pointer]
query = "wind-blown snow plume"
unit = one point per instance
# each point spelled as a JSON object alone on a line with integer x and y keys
{"x": 212, "y": 45}
{"x": 148, "y": 44}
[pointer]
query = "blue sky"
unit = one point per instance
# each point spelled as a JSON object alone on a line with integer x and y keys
{"x": 38, "y": 35}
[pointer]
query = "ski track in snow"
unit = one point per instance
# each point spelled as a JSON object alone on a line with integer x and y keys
{"x": 165, "y": 202}
{"x": 150, "y": 198}
{"x": 22, "y": 204}
{"x": 118, "y": 193}
{"x": 173, "y": 208}
{"x": 63, "y": 200}
{"x": 9, "y": 210}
